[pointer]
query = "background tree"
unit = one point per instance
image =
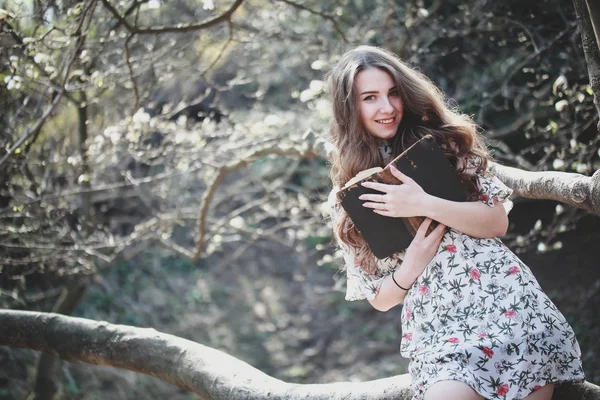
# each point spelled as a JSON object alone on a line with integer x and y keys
{"x": 200, "y": 126}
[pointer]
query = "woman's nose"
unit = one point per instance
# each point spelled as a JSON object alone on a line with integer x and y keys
{"x": 386, "y": 106}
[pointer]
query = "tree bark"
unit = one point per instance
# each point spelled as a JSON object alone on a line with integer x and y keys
{"x": 590, "y": 46}
{"x": 207, "y": 372}
{"x": 569, "y": 188}
{"x": 45, "y": 388}
{"x": 594, "y": 11}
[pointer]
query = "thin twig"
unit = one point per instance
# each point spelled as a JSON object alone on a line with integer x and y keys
{"x": 528, "y": 59}
{"x": 150, "y": 179}
{"x": 319, "y": 13}
{"x": 131, "y": 75}
{"x": 222, "y": 51}
{"x": 173, "y": 29}
{"x": 33, "y": 131}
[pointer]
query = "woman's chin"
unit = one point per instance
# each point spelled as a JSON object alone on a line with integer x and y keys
{"x": 388, "y": 134}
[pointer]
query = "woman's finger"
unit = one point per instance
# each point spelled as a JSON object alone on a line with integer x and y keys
{"x": 437, "y": 241}
{"x": 382, "y": 187}
{"x": 396, "y": 172}
{"x": 439, "y": 230}
{"x": 423, "y": 228}
{"x": 437, "y": 233}
{"x": 376, "y": 206}
{"x": 379, "y": 198}
{"x": 385, "y": 213}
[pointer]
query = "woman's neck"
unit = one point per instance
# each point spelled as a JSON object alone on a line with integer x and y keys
{"x": 385, "y": 149}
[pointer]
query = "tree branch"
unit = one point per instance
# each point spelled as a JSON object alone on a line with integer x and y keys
{"x": 319, "y": 13}
{"x": 203, "y": 370}
{"x": 517, "y": 68}
{"x": 514, "y": 127}
{"x": 590, "y": 49}
{"x": 226, "y": 16}
{"x": 32, "y": 134}
{"x": 109, "y": 188}
{"x": 594, "y": 11}
{"x": 131, "y": 73}
{"x": 570, "y": 188}
{"x": 232, "y": 167}
{"x": 35, "y": 129}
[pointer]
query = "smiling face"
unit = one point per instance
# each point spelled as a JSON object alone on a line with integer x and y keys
{"x": 379, "y": 102}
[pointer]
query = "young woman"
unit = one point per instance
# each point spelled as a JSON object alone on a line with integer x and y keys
{"x": 475, "y": 322}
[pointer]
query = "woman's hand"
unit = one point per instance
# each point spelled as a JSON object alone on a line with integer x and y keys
{"x": 422, "y": 249}
{"x": 405, "y": 200}
{"x": 418, "y": 255}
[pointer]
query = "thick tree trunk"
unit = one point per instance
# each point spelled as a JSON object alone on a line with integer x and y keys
{"x": 594, "y": 11}
{"x": 208, "y": 372}
{"x": 590, "y": 46}
{"x": 569, "y": 188}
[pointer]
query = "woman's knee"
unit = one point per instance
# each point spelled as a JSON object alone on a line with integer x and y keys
{"x": 451, "y": 390}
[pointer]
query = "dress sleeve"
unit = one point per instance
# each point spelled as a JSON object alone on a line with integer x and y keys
{"x": 359, "y": 284}
{"x": 491, "y": 187}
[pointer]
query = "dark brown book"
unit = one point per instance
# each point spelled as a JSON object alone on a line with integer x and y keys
{"x": 426, "y": 164}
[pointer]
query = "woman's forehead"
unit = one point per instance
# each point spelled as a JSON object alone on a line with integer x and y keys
{"x": 373, "y": 79}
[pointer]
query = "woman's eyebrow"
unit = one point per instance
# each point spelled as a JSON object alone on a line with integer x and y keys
{"x": 377, "y": 91}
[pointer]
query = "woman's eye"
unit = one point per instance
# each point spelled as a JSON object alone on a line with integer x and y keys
{"x": 394, "y": 93}
{"x": 370, "y": 97}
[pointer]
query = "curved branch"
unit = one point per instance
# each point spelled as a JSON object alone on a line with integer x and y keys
{"x": 226, "y": 16}
{"x": 203, "y": 370}
{"x": 569, "y": 188}
{"x": 232, "y": 167}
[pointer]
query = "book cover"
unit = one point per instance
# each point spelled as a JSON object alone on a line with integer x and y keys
{"x": 426, "y": 164}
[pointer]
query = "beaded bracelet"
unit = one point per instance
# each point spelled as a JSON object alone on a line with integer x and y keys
{"x": 397, "y": 284}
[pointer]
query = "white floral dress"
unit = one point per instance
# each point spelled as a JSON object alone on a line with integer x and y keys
{"x": 476, "y": 315}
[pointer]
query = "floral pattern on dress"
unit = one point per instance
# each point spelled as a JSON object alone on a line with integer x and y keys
{"x": 476, "y": 315}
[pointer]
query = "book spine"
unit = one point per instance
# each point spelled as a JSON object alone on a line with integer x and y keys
{"x": 413, "y": 224}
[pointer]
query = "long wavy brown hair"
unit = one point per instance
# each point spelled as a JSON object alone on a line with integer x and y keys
{"x": 425, "y": 112}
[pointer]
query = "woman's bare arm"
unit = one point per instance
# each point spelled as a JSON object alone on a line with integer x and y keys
{"x": 421, "y": 251}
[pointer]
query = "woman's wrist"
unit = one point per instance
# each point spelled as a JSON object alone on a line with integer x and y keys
{"x": 403, "y": 279}
{"x": 428, "y": 203}
{"x": 399, "y": 285}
